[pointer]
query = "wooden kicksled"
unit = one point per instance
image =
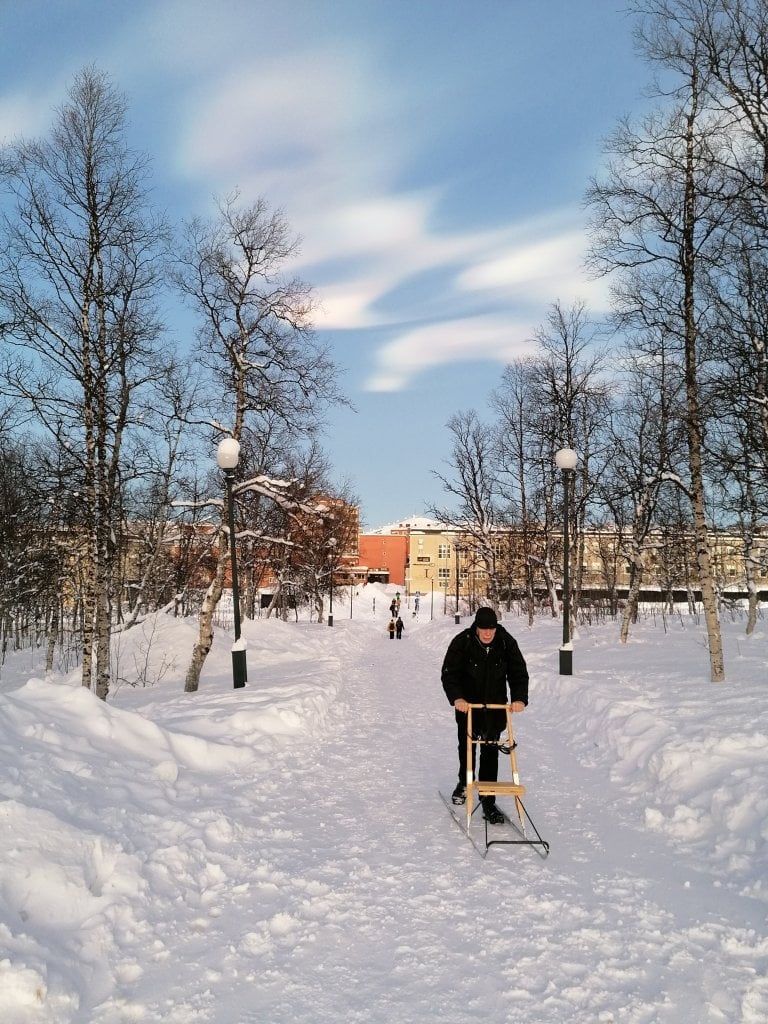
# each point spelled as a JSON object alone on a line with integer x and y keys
{"x": 513, "y": 832}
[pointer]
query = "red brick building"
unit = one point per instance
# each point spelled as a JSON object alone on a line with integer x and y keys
{"x": 385, "y": 556}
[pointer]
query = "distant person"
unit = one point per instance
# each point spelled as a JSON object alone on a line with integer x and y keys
{"x": 391, "y": 628}
{"x": 399, "y": 627}
{"x": 480, "y": 664}
{"x": 393, "y": 608}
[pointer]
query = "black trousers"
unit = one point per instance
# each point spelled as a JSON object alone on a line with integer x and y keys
{"x": 489, "y": 752}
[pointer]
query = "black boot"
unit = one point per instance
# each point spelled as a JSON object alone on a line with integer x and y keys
{"x": 491, "y": 812}
{"x": 459, "y": 795}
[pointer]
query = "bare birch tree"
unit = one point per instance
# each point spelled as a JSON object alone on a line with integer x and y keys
{"x": 473, "y": 483}
{"x": 646, "y": 435}
{"x": 257, "y": 344}
{"x": 569, "y": 391}
{"x": 79, "y": 272}
{"x": 660, "y": 206}
{"x": 512, "y": 404}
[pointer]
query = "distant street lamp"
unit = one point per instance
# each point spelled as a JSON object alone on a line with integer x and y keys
{"x": 566, "y": 459}
{"x": 332, "y": 560}
{"x": 430, "y": 577}
{"x": 428, "y": 574}
{"x": 227, "y": 457}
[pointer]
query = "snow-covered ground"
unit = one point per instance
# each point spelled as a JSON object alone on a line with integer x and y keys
{"x": 279, "y": 854}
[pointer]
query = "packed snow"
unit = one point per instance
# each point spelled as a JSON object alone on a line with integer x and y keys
{"x": 280, "y": 853}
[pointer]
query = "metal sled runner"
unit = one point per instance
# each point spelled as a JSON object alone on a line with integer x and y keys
{"x": 479, "y": 788}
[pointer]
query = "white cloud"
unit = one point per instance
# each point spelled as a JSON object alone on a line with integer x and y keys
{"x": 509, "y": 269}
{"x": 307, "y": 130}
{"x": 264, "y": 117}
{"x": 473, "y": 338}
{"x": 348, "y": 304}
{"x": 305, "y": 127}
{"x": 379, "y": 225}
{"x": 539, "y": 269}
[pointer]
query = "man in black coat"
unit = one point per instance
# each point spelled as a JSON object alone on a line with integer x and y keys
{"x": 479, "y": 665}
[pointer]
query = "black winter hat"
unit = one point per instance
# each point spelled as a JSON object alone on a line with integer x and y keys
{"x": 485, "y": 618}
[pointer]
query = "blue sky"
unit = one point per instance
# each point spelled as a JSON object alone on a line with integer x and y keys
{"x": 432, "y": 155}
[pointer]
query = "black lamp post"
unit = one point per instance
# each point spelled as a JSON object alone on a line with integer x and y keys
{"x": 566, "y": 459}
{"x": 446, "y": 581}
{"x": 332, "y": 560}
{"x": 227, "y": 456}
{"x": 458, "y": 616}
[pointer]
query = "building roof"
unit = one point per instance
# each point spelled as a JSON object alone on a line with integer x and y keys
{"x": 407, "y": 524}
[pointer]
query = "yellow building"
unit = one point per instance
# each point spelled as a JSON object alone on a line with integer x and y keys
{"x": 445, "y": 562}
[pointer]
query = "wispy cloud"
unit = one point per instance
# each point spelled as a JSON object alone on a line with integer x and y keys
{"x": 539, "y": 269}
{"x": 422, "y": 348}
{"x": 305, "y": 130}
{"x": 516, "y": 275}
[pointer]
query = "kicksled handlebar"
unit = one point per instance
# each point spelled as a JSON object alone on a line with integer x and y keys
{"x": 496, "y": 707}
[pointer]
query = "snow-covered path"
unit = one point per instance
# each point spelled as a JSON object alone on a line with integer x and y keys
{"x": 366, "y": 903}
{"x": 500, "y": 939}
{"x": 281, "y": 854}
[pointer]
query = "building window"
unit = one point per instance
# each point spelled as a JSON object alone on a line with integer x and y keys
{"x": 443, "y": 550}
{"x": 443, "y": 575}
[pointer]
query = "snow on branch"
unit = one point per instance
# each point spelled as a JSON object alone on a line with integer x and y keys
{"x": 676, "y": 480}
{"x": 206, "y": 503}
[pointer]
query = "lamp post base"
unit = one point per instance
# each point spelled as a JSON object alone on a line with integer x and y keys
{"x": 239, "y": 669}
{"x": 566, "y": 662}
{"x": 457, "y": 618}
{"x": 330, "y": 620}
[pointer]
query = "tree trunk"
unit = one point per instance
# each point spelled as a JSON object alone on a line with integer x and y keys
{"x": 88, "y": 620}
{"x": 53, "y": 635}
{"x": 751, "y": 562}
{"x": 103, "y": 642}
{"x": 630, "y": 611}
{"x": 694, "y": 427}
{"x": 549, "y": 582}
{"x": 212, "y": 597}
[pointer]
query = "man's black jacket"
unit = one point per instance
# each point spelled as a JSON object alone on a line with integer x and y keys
{"x": 481, "y": 674}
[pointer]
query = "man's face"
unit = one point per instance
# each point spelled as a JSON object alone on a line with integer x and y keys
{"x": 485, "y": 636}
